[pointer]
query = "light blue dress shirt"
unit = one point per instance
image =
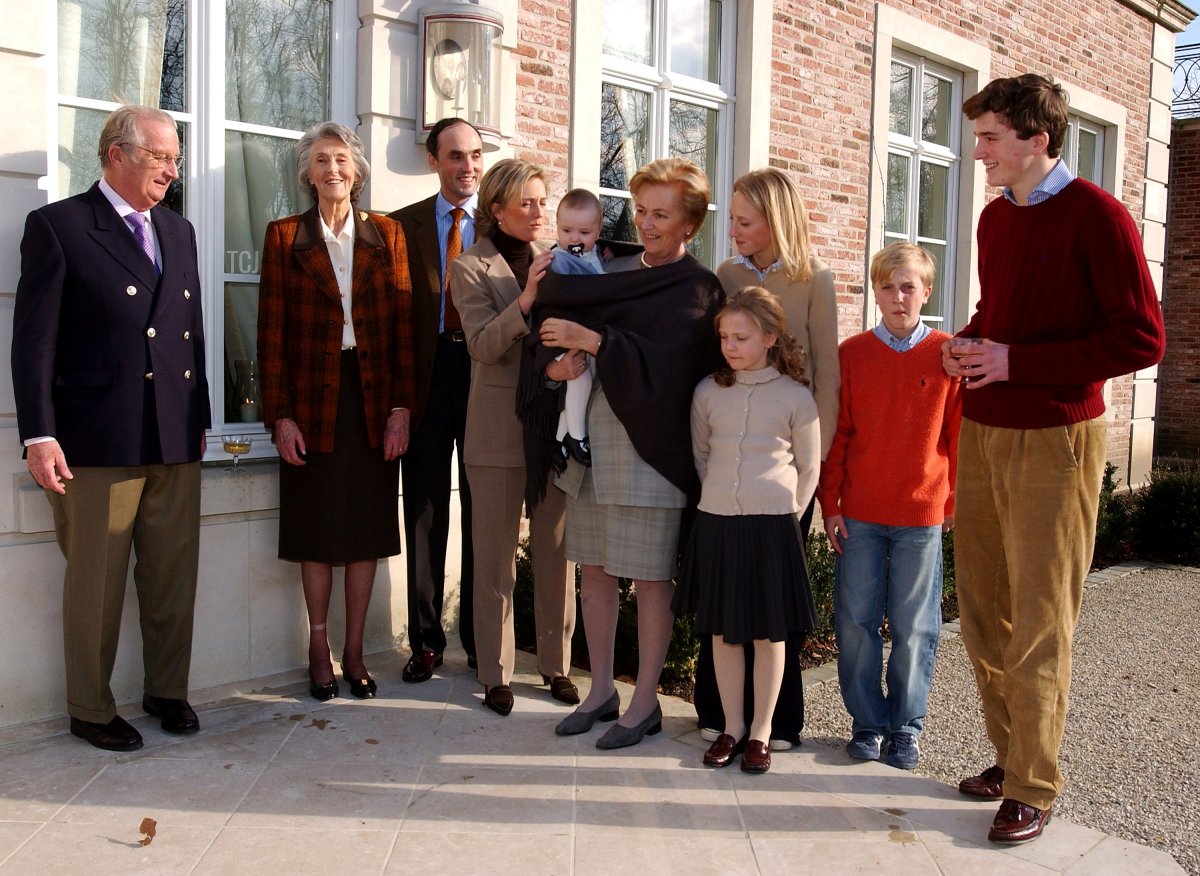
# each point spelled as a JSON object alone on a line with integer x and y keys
{"x": 466, "y": 227}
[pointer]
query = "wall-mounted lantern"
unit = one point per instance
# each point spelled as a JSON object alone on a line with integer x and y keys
{"x": 460, "y": 65}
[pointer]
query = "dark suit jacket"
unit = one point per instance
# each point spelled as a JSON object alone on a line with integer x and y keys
{"x": 92, "y": 319}
{"x": 424, "y": 267}
{"x": 300, "y": 325}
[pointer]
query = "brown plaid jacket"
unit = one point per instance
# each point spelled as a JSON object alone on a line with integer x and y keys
{"x": 300, "y": 325}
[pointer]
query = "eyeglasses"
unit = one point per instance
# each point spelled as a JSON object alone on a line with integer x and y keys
{"x": 159, "y": 159}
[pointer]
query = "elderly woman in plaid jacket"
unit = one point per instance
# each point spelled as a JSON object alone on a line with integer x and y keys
{"x": 336, "y": 358}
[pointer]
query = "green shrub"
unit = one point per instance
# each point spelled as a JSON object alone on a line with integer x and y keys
{"x": 1166, "y": 516}
{"x": 1112, "y": 522}
{"x": 820, "y": 580}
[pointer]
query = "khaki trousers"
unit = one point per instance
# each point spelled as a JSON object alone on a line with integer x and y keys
{"x": 496, "y": 498}
{"x": 156, "y": 509}
{"x": 1026, "y": 502}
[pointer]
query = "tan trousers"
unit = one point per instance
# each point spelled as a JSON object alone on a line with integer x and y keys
{"x": 1026, "y": 502}
{"x": 497, "y": 495}
{"x": 156, "y": 509}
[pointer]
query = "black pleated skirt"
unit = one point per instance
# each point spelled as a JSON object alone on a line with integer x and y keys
{"x": 341, "y": 506}
{"x": 746, "y": 578}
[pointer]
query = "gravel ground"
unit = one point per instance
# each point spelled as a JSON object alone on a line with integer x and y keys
{"x": 1128, "y": 753}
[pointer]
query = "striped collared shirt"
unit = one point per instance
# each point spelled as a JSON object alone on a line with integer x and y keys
{"x": 1055, "y": 181}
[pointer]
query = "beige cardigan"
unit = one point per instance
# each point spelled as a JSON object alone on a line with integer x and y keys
{"x": 811, "y": 311}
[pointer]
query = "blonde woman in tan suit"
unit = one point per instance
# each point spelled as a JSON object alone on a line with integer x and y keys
{"x": 494, "y": 285}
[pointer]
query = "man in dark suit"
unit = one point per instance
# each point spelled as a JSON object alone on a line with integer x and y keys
{"x": 112, "y": 406}
{"x": 438, "y": 229}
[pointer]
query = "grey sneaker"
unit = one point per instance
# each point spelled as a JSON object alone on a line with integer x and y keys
{"x": 865, "y": 745}
{"x": 903, "y": 751}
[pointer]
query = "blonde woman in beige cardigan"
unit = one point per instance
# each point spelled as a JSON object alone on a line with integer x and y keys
{"x": 769, "y": 228}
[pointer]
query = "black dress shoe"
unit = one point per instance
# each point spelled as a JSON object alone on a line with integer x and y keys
{"x": 472, "y": 661}
{"x": 363, "y": 688}
{"x": 988, "y": 785}
{"x": 116, "y": 735}
{"x": 580, "y": 449}
{"x": 499, "y": 698}
{"x": 321, "y": 692}
{"x": 420, "y": 665}
{"x": 1018, "y": 822}
{"x": 176, "y": 715}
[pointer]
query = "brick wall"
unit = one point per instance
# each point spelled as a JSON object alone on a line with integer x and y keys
{"x": 1178, "y": 426}
{"x": 544, "y": 87}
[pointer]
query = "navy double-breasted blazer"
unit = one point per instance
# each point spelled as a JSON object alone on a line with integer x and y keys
{"x": 101, "y": 341}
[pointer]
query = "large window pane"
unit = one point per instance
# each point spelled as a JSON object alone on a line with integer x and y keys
{"x": 1086, "y": 164}
{"x": 897, "y": 194}
{"x": 618, "y": 218}
{"x": 933, "y": 310}
{"x": 277, "y": 62}
{"x": 935, "y": 110}
{"x": 242, "y": 400}
{"x": 624, "y": 134}
{"x": 932, "y": 200}
{"x": 695, "y": 31}
{"x": 900, "y": 100}
{"x": 627, "y": 30}
{"x": 124, "y": 51}
{"x": 701, "y": 246}
{"x": 693, "y": 135}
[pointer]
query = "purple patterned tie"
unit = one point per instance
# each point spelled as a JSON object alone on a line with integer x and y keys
{"x": 138, "y": 223}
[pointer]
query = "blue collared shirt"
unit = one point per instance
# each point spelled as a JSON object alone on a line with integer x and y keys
{"x": 1055, "y": 181}
{"x": 749, "y": 263}
{"x": 902, "y": 345}
{"x": 466, "y": 227}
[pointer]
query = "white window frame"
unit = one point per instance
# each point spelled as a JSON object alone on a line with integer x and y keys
{"x": 896, "y": 35}
{"x": 919, "y": 152}
{"x": 663, "y": 86}
{"x": 204, "y": 170}
{"x": 1075, "y": 124}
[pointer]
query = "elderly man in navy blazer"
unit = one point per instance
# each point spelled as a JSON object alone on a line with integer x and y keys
{"x": 112, "y": 407}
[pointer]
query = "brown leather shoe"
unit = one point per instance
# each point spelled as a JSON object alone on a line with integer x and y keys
{"x": 988, "y": 785}
{"x": 116, "y": 735}
{"x": 564, "y": 690}
{"x": 177, "y": 716}
{"x": 499, "y": 699}
{"x": 420, "y": 665}
{"x": 1018, "y": 822}
{"x": 757, "y": 758}
{"x": 725, "y": 749}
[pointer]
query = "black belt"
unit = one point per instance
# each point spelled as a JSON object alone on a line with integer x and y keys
{"x": 458, "y": 337}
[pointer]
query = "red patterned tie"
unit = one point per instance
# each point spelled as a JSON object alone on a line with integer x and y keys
{"x": 451, "y": 321}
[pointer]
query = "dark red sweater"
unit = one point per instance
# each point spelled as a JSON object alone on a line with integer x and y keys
{"x": 1064, "y": 283}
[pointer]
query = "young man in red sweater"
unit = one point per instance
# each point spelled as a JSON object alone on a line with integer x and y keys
{"x": 1066, "y": 302}
{"x": 886, "y": 496}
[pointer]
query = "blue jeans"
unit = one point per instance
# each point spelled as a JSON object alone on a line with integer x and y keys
{"x": 897, "y": 570}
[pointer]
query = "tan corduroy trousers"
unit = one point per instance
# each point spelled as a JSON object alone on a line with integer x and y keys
{"x": 1026, "y": 503}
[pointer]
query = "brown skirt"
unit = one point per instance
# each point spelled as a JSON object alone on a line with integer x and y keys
{"x": 341, "y": 506}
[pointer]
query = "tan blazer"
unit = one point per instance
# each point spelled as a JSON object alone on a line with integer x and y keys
{"x": 485, "y": 293}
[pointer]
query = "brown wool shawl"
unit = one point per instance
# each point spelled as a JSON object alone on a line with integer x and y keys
{"x": 658, "y": 342}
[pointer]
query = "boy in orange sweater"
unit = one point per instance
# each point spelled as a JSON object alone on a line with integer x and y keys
{"x": 887, "y": 495}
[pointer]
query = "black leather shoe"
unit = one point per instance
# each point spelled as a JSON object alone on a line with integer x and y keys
{"x": 559, "y": 457}
{"x": 322, "y": 692}
{"x": 420, "y": 665}
{"x": 580, "y": 449}
{"x": 116, "y": 735}
{"x": 363, "y": 688}
{"x": 1018, "y": 822}
{"x": 499, "y": 699}
{"x": 472, "y": 661}
{"x": 176, "y": 715}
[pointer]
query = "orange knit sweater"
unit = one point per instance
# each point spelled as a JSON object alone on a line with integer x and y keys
{"x": 893, "y": 457}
